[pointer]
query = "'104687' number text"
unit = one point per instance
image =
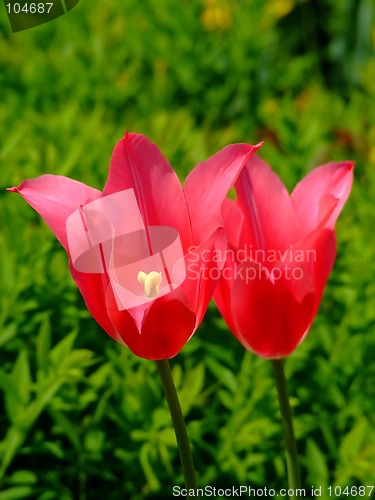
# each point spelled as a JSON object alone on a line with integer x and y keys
{"x": 29, "y": 8}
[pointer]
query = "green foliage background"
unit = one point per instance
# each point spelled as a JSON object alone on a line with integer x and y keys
{"x": 80, "y": 416}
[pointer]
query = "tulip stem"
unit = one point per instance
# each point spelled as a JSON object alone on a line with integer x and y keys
{"x": 289, "y": 437}
{"x": 183, "y": 443}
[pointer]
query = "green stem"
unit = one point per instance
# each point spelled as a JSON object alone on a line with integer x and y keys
{"x": 286, "y": 415}
{"x": 183, "y": 443}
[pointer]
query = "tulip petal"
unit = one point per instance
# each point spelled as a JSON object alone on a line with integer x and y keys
{"x": 270, "y": 218}
{"x": 325, "y": 248}
{"x": 138, "y": 164}
{"x": 208, "y": 184}
{"x": 93, "y": 289}
{"x": 272, "y": 312}
{"x": 223, "y": 291}
{"x": 333, "y": 179}
{"x": 56, "y": 197}
{"x": 167, "y": 327}
{"x": 202, "y": 274}
{"x": 234, "y": 216}
{"x": 320, "y": 246}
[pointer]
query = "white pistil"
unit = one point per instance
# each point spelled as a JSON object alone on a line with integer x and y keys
{"x": 151, "y": 282}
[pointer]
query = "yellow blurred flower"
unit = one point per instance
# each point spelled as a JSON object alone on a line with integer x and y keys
{"x": 372, "y": 155}
{"x": 279, "y": 8}
{"x": 270, "y": 106}
{"x": 371, "y": 136}
{"x": 216, "y": 15}
{"x": 305, "y": 98}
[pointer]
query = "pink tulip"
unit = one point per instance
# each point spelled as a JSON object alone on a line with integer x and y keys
{"x": 140, "y": 250}
{"x": 281, "y": 250}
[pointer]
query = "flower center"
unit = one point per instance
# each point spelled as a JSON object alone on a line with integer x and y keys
{"x": 151, "y": 282}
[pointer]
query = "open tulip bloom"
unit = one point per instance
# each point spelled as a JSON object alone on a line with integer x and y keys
{"x": 281, "y": 249}
{"x": 140, "y": 251}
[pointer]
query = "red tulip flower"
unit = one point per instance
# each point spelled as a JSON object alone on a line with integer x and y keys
{"x": 281, "y": 249}
{"x": 140, "y": 250}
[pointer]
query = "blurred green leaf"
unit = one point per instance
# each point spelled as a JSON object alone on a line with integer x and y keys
{"x": 354, "y": 441}
{"x": 61, "y": 351}
{"x": 16, "y": 493}
{"x": 316, "y": 465}
{"x": 43, "y": 344}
